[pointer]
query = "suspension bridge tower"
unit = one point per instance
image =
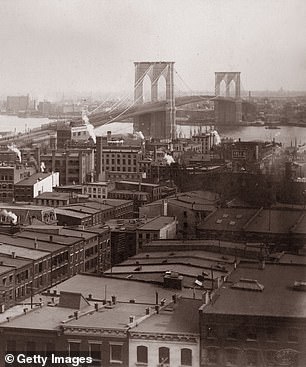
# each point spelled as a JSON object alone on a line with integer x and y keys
{"x": 228, "y": 108}
{"x": 159, "y": 123}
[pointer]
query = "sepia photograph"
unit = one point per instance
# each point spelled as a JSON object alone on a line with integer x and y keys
{"x": 152, "y": 183}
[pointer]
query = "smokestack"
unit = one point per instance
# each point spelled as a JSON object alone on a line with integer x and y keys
{"x": 156, "y": 298}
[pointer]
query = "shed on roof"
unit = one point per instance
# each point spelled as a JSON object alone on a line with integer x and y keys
{"x": 72, "y": 300}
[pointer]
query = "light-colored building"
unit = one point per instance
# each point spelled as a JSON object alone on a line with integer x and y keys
{"x": 97, "y": 190}
{"x": 168, "y": 338}
{"x": 35, "y": 185}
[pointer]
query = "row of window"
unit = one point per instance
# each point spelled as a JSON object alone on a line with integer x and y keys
{"x": 232, "y": 357}
{"x": 164, "y": 356}
{"x": 272, "y": 334}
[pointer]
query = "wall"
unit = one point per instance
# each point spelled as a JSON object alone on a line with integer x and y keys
{"x": 153, "y": 347}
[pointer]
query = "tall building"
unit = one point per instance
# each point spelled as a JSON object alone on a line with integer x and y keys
{"x": 14, "y": 104}
{"x": 117, "y": 160}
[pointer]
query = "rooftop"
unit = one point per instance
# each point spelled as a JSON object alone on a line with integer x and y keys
{"x": 278, "y": 298}
{"x": 22, "y": 252}
{"x": 30, "y": 243}
{"x": 29, "y": 181}
{"x": 14, "y": 262}
{"x": 181, "y": 317}
{"x": 124, "y": 289}
{"x": 81, "y": 209}
{"x": 71, "y": 213}
{"x": 157, "y": 223}
{"x": 4, "y": 269}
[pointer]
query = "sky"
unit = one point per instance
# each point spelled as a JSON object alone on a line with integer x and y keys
{"x": 55, "y": 47}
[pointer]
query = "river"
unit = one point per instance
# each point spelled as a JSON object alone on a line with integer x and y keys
{"x": 285, "y": 135}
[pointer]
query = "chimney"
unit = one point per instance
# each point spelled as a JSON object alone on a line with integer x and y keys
{"x": 25, "y": 310}
{"x": 262, "y": 264}
{"x": 114, "y": 300}
{"x": 96, "y": 307}
{"x": 76, "y": 314}
{"x": 148, "y": 311}
{"x": 174, "y": 298}
{"x": 157, "y": 308}
{"x": 90, "y": 296}
{"x": 35, "y": 243}
{"x": 13, "y": 254}
{"x": 51, "y": 238}
{"x": 156, "y": 298}
{"x": 205, "y": 298}
{"x": 109, "y": 135}
{"x": 162, "y": 302}
{"x": 132, "y": 319}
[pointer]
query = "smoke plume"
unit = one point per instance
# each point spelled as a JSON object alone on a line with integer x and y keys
{"x": 217, "y": 136}
{"x": 140, "y": 135}
{"x": 89, "y": 126}
{"x": 42, "y": 167}
{"x": 9, "y": 215}
{"x": 169, "y": 158}
{"x": 13, "y": 148}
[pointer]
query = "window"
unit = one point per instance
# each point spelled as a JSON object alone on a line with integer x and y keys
{"x": 231, "y": 357}
{"x": 211, "y": 331}
{"x": 142, "y": 354}
{"x": 252, "y": 358}
{"x": 251, "y": 334}
{"x": 95, "y": 351}
{"x": 164, "y": 355}
{"x": 74, "y": 348}
{"x": 186, "y": 357}
{"x": 211, "y": 356}
{"x": 293, "y": 336}
{"x": 232, "y": 334}
{"x": 116, "y": 352}
{"x": 271, "y": 334}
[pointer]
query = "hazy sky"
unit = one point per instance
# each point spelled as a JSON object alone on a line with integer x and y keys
{"x": 56, "y": 46}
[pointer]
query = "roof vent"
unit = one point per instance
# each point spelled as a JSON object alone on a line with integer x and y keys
{"x": 248, "y": 285}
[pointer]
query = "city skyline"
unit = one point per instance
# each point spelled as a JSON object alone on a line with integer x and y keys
{"x": 83, "y": 47}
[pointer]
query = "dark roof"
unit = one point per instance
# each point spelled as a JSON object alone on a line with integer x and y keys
{"x": 181, "y": 317}
{"x": 29, "y": 181}
{"x": 278, "y": 298}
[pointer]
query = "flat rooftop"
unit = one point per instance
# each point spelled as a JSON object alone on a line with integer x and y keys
{"x": 81, "y": 209}
{"x": 123, "y": 289}
{"x": 157, "y": 223}
{"x": 277, "y": 299}
{"x": 4, "y": 269}
{"x": 30, "y": 243}
{"x": 71, "y": 213}
{"x": 181, "y": 317}
{"x": 65, "y": 240}
{"x": 14, "y": 262}
{"x": 22, "y": 252}
{"x": 29, "y": 181}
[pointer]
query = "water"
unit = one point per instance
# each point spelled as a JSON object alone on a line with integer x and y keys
{"x": 285, "y": 135}
{"x": 18, "y": 124}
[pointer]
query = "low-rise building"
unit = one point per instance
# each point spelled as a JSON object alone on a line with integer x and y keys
{"x": 35, "y": 185}
{"x": 256, "y": 319}
{"x": 190, "y": 208}
{"x": 97, "y": 190}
